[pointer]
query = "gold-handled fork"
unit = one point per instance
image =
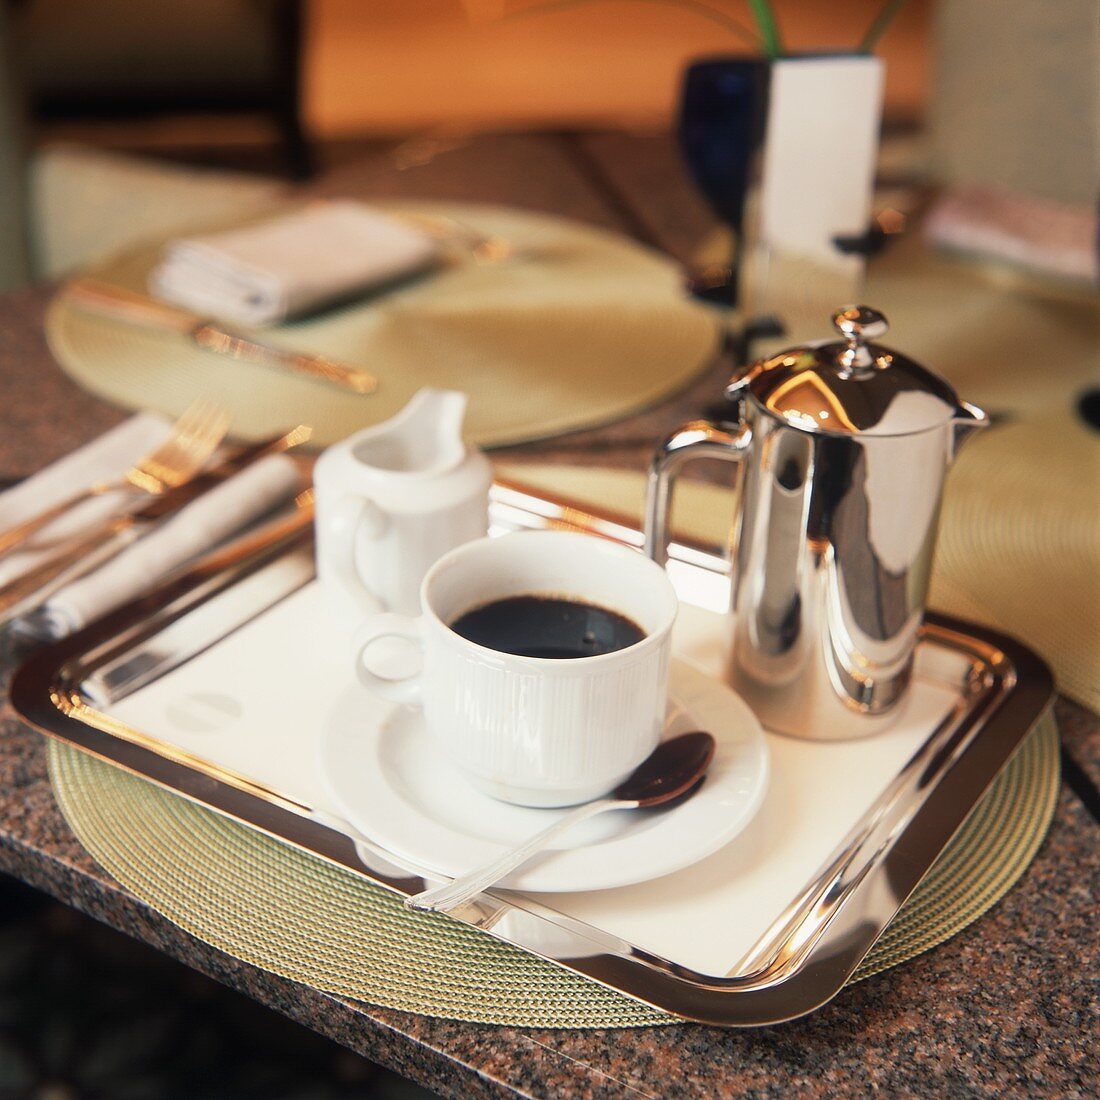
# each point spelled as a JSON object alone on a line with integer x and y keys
{"x": 192, "y": 439}
{"x": 480, "y": 247}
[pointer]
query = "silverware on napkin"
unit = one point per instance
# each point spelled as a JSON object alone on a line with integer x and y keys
{"x": 139, "y": 309}
{"x": 92, "y": 549}
{"x": 176, "y": 459}
{"x": 178, "y": 640}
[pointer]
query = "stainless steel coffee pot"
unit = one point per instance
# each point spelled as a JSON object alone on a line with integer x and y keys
{"x": 843, "y": 448}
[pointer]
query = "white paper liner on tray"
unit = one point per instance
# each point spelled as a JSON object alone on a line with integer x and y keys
{"x": 257, "y": 701}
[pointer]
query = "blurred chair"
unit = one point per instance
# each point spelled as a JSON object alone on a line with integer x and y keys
{"x": 1015, "y": 135}
{"x": 14, "y": 239}
{"x": 1017, "y": 96}
{"x": 124, "y": 60}
{"x": 88, "y": 204}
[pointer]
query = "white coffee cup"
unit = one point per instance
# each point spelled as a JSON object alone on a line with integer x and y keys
{"x": 532, "y": 730}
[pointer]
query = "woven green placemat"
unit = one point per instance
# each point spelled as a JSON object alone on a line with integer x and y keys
{"x": 298, "y": 916}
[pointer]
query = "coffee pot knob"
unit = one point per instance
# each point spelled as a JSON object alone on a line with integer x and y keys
{"x": 858, "y": 324}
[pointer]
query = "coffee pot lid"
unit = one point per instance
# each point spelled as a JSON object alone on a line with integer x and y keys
{"x": 851, "y": 386}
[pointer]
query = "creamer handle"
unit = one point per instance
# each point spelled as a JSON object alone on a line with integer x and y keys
{"x": 696, "y": 439}
{"x": 347, "y": 516}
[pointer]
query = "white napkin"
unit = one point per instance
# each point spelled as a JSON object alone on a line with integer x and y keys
{"x": 202, "y": 524}
{"x": 295, "y": 263}
{"x": 104, "y": 459}
{"x": 1048, "y": 236}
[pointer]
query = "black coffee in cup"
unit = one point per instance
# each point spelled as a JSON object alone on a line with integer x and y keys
{"x": 547, "y": 626}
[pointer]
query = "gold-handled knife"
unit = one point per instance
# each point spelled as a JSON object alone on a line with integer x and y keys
{"x": 92, "y": 549}
{"x": 120, "y": 304}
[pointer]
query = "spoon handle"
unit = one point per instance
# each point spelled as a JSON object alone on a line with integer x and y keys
{"x": 442, "y": 899}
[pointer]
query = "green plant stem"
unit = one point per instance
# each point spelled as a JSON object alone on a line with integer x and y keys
{"x": 769, "y": 30}
{"x": 882, "y": 21}
{"x": 698, "y": 7}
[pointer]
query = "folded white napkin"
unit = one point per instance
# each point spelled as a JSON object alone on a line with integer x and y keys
{"x": 292, "y": 264}
{"x": 1048, "y": 236}
{"x": 104, "y": 459}
{"x": 201, "y": 525}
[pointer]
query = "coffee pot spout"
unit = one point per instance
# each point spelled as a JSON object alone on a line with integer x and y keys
{"x": 968, "y": 419}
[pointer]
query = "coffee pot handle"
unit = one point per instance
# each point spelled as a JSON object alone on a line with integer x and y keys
{"x": 696, "y": 439}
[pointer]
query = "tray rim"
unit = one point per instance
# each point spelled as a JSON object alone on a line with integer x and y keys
{"x": 819, "y": 941}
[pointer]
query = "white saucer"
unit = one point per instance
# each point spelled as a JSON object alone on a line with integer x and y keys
{"x": 391, "y": 782}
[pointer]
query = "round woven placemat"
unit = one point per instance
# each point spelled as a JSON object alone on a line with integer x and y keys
{"x": 578, "y": 328}
{"x": 296, "y": 915}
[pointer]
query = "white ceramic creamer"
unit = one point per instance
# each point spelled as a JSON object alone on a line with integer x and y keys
{"x": 392, "y": 500}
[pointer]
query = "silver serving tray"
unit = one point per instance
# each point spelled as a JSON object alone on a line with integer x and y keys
{"x": 805, "y": 957}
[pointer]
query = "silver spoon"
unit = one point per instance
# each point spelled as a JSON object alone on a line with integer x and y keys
{"x": 673, "y": 770}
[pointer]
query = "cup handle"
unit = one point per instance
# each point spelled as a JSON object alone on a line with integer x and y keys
{"x": 349, "y": 514}
{"x": 389, "y": 625}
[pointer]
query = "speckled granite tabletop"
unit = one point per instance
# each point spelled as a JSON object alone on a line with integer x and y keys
{"x": 1009, "y": 1007}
